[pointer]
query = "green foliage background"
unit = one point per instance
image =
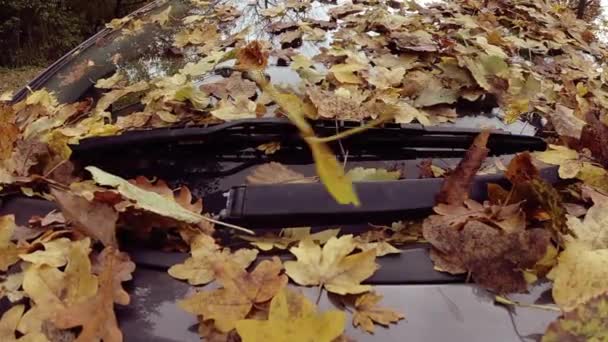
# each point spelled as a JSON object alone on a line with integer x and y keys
{"x": 36, "y": 32}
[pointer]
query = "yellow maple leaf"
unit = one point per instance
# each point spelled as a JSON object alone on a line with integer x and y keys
{"x": 240, "y": 292}
{"x": 332, "y": 267}
{"x": 9, "y": 252}
{"x": 199, "y": 269}
{"x": 367, "y": 312}
{"x": 283, "y": 325}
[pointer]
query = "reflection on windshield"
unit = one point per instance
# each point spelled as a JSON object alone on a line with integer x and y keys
{"x": 151, "y": 52}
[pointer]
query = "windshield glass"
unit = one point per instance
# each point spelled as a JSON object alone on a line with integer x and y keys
{"x": 437, "y": 65}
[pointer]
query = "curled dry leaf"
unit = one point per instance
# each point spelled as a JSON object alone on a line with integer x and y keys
{"x": 241, "y": 290}
{"x": 284, "y": 324}
{"x": 455, "y": 187}
{"x": 367, "y": 312}
{"x": 332, "y": 267}
{"x": 206, "y": 254}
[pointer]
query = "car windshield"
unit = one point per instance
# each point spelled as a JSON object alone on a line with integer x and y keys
{"x": 172, "y": 39}
{"x": 258, "y": 143}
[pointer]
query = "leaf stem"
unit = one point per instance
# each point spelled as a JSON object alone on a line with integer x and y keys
{"x": 320, "y": 293}
{"x": 506, "y": 301}
{"x": 228, "y": 225}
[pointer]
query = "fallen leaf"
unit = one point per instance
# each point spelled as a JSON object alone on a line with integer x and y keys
{"x": 241, "y": 290}
{"x": 200, "y": 269}
{"x": 276, "y": 173}
{"x": 239, "y": 109}
{"x": 289, "y": 236}
{"x": 145, "y": 200}
{"x": 96, "y": 315}
{"x": 360, "y": 174}
{"x": 114, "y": 95}
{"x": 455, "y": 187}
{"x": 9, "y": 252}
{"x": 586, "y": 322}
{"x": 593, "y": 230}
{"x": 527, "y": 183}
{"x": 494, "y": 258}
{"x": 283, "y": 325}
{"x": 579, "y": 275}
{"x": 234, "y": 86}
{"x": 122, "y": 270}
{"x": 332, "y": 267}
{"x": 10, "y": 287}
{"x": 566, "y": 123}
{"x": 162, "y": 17}
{"x": 8, "y": 327}
{"x": 94, "y": 219}
{"x": 345, "y": 73}
{"x": 252, "y": 57}
{"x": 381, "y": 248}
{"x": 367, "y": 312}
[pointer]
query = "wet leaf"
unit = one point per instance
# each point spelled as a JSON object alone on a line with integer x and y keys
{"x": 367, "y": 312}
{"x": 283, "y": 325}
{"x": 331, "y": 266}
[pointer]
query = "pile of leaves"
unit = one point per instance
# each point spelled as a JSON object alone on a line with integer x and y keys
{"x": 375, "y": 61}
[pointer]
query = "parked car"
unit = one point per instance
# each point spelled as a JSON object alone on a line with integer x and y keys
{"x": 213, "y": 159}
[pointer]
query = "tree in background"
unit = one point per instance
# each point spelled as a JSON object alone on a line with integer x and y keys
{"x": 35, "y": 32}
{"x": 584, "y": 9}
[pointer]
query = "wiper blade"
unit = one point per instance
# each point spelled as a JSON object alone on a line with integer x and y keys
{"x": 245, "y": 133}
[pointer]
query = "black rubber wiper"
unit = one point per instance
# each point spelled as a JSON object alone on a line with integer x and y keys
{"x": 244, "y": 133}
